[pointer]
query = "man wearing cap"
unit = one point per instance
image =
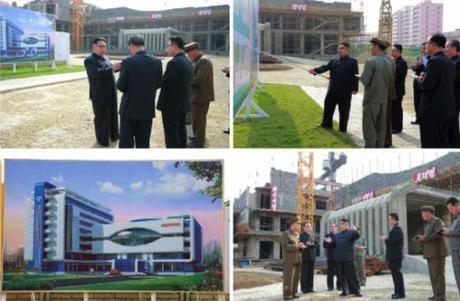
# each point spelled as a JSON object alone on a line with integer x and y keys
{"x": 434, "y": 251}
{"x": 400, "y": 87}
{"x": 437, "y": 106}
{"x": 174, "y": 100}
{"x": 377, "y": 79}
{"x": 292, "y": 249}
{"x": 342, "y": 85}
{"x": 202, "y": 92}
{"x": 140, "y": 77}
{"x": 453, "y": 234}
{"x": 345, "y": 258}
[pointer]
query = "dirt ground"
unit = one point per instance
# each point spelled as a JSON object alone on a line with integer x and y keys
{"x": 60, "y": 115}
{"x": 297, "y": 76}
{"x": 264, "y": 287}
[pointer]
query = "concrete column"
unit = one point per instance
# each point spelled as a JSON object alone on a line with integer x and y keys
{"x": 370, "y": 231}
{"x": 302, "y": 44}
{"x": 322, "y": 44}
{"x": 276, "y": 250}
{"x": 378, "y": 229}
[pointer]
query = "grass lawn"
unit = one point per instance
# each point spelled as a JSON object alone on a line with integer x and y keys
{"x": 28, "y": 71}
{"x": 293, "y": 123}
{"x": 160, "y": 283}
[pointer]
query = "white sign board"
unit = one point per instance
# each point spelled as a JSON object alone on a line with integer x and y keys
{"x": 62, "y": 47}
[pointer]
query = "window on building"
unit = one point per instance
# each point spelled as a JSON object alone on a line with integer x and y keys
{"x": 218, "y": 41}
{"x": 312, "y": 43}
{"x": 291, "y": 22}
{"x": 264, "y": 200}
{"x": 311, "y": 23}
{"x": 219, "y": 24}
{"x": 284, "y": 223}
{"x": 200, "y": 25}
{"x": 266, "y": 223}
{"x": 291, "y": 43}
{"x": 321, "y": 205}
{"x": 331, "y": 42}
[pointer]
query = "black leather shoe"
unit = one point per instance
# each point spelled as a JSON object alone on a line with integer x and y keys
{"x": 432, "y": 298}
{"x": 414, "y": 122}
{"x": 394, "y": 297}
{"x": 343, "y": 294}
{"x": 288, "y": 298}
{"x": 358, "y": 295}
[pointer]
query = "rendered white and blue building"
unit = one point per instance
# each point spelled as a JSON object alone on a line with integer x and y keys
{"x": 66, "y": 232}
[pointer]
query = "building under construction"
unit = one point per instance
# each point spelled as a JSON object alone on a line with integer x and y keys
{"x": 207, "y": 25}
{"x": 368, "y": 201}
{"x": 306, "y": 28}
{"x": 262, "y": 213}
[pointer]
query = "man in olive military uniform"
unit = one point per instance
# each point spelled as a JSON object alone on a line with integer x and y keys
{"x": 202, "y": 92}
{"x": 377, "y": 79}
{"x": 291, "y": 259}
{"x": 453, "y": 233}
{"x": 360, "y": 251}
{"x": 308, "y": 259}
{"x": 434, "y": 251}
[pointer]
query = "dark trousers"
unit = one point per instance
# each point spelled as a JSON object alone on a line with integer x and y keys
{"x": 135, "y": 133}
{"x": 174, "y": 130}
{"x": 330, "y": 103}
{"x": 454, "y": 133}
{"x": 199, "y": 112}
{"x": 331, "y": 271}
{"x": 346, "y": 272}
{"x": 306, "y": 276}
{"x": 397, "y": 114}
{"x": 105, "y": 122}
{"x": 417, "y": 96}
{"x": 398, "y": 280}
{"x": 434, "y": 133}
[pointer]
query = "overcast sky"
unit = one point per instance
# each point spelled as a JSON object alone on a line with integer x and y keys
{"x": 252, "y": 168}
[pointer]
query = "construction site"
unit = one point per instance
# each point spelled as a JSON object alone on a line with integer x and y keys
{"x": 306, "y": 28}
{"x": 207, "y": 25}
{"x": 261, "y": 214}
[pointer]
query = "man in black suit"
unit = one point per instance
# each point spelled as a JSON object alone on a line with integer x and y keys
{"x": 419, "y": 68}
{"x": 174, "y": 101}
{"x": 452, "y": 51}
{"x": 308, "y": 259}
{"x": 345, "y": 258}
{"x": 400, "y": 87}
{"x": 437, "y": 105}
{"x": 140, "y": 77}
{"x": 342, "y": 85}
{"x": 394, "y": 244}
{"x": 331, "y": 263}
{"x": 102, "y": 92}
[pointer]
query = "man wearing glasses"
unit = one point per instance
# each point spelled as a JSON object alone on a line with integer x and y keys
{"x": 102, "y": 92}
{"x": 343, "y": 83}
{"x": 174, "y": 101}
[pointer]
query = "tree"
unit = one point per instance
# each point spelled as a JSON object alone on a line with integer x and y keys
{"x": 209, "y": 171}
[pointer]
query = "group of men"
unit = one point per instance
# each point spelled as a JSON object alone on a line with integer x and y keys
{"x": 346, "y": 253}
{"x": 187, "y": 88}
{"x": 436, "y": 92}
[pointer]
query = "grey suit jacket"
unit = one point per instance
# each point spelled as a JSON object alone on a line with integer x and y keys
{"x": 454, "y": 235}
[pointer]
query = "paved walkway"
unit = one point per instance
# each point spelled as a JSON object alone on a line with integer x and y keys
{"x": 31, "y": 82}
{"x": 409, "y": 138}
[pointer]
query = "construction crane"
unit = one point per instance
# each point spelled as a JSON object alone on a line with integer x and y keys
{"x": 78, "y": 19}
{"x": 331, "y": 165}
{"x": 386, "y": 21}
{"x": 305, "y": 202}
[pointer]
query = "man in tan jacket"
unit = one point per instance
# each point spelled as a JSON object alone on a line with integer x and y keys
{"x": 434, "y": 251}
{"x": 292, "y": 249}
{"x": 202, "y": 93}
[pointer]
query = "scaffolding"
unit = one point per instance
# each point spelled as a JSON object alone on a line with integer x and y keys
{"x": 386, "y": 21}
{"x": 78, "y": 19}
{"x": 305, "y": 188}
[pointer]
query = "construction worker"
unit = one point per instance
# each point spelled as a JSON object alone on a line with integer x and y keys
{"x": 292, "y": 248}
{"x": 360, "y": 250}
